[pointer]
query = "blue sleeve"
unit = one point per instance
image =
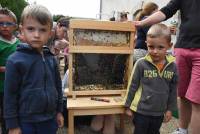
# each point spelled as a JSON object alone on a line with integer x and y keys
{"x": 11, "y": 92}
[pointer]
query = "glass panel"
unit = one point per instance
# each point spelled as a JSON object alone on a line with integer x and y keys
{"x": 99, "y": 71}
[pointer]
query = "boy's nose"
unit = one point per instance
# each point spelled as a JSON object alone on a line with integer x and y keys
{"x": 155, "y": 50}
{"x": 37, "y": 34}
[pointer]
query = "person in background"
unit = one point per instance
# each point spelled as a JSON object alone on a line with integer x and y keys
{"x": 147, "y": 101}
{"x": 33, "y": 90}
{"x": 140, "y": 45}
{"x": 123, "y": 16}
{"x": 8, "y": 43}
{"x": 50, "y": 43}
{"x": 56, "y": 50}
{"x": 19, "y": 35}
{"x": 187, "y": 53}
{"x": 136, "y": 13}
{"x": 62, "y": 34}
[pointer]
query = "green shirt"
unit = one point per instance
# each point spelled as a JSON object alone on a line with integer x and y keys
{"x": 6, "y": 49}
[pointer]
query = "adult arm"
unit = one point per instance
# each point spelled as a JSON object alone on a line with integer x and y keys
{"x": 164, "y": 13}
{"x": 152, "y": 19}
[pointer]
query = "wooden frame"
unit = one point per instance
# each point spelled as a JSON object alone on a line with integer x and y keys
{"x": 99, "y": 25}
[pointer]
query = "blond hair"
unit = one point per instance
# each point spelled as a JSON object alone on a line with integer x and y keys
{"x": 7, "y": 12}
{"x": 38, "y": 12}
{"x": 159, "y": 30}
{"x": 147, "y": 10}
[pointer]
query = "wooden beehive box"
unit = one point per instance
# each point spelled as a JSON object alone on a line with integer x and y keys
{"x": 100, "y": 57}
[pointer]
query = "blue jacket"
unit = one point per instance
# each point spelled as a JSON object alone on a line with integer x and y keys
{"x": 33, "y": 90}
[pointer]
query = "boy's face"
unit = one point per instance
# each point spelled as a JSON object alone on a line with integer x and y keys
{"x": 35, "y": 34}
{"x": 157, "y": 48}
{"x": 7, "y": 26}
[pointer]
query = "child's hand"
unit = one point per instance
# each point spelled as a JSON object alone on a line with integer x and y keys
{"x": 167, "y": 116}
{"x": 60, "y": 119}
{"x": 15, "y": 131}
{"x": 128, "y": 112}
{"x": 2, "y": 68}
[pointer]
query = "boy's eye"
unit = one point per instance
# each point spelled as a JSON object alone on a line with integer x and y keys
{"x": 151, "y": 47}
{"x": 160, "y": 47}
{"x": 30, "y": 28}
{"x": 43, "y": 30}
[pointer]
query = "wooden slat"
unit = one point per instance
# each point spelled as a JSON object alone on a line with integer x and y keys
{"x": 102, "y": 92}
{"x": 84, "y": 103}
{"x": 70, "y": 72}
{"x": 100, "y": 49}
{"x": 102, "y": 25}
{"x": 132, "y": 40}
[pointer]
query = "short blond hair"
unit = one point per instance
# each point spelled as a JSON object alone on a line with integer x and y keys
{"x": 7, "y": 12}
{"x": 159, "y": 30}
{"x": 38, "y": 12}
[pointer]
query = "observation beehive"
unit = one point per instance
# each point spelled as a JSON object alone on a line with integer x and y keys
{"x": 100, "y": 56}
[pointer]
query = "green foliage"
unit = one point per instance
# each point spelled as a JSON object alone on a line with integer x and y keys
{"x": 57, "y": 17}
{"x": 16, "y": 6}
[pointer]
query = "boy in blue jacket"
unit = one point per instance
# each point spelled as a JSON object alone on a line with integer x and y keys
{"x": 33, "y": 93}
{"x": 151, "y": 95}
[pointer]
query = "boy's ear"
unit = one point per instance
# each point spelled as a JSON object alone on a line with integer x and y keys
{"x": 15, "y": 27}
{"x": 170, "y": 45}
{"x": 21, "y": 29}
{"x": 52, "y": 33}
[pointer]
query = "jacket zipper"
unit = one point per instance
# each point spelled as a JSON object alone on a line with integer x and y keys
{"x": 45, "y": 79}
{"x": 161, "y": 73}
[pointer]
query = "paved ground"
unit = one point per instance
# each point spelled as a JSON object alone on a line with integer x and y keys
{"x": 166, "y": 128}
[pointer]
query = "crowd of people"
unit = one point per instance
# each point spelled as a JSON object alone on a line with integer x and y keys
{"x": 31, "y": 90}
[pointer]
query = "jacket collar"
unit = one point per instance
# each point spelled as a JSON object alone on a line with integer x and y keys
{"x": 169, "y": 58}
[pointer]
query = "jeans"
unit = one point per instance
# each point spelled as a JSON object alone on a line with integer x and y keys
{"x": 147, "y": 124}
{"x": 46, "y": 127}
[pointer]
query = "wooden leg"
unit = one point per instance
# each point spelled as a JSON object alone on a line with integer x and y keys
{"x": 122, "y": 122}
{"x": 70, "y": 122}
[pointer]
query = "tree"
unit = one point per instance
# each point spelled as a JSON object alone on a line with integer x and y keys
{"x": 16, "y": 6}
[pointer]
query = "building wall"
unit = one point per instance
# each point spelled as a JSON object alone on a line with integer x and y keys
{"x": 111, "y": 8}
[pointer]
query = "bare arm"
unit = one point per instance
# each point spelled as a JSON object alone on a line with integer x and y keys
{"x": 152, "y": 19}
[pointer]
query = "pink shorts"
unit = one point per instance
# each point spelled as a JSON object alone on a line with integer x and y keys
{"x": 188, "y": 63}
